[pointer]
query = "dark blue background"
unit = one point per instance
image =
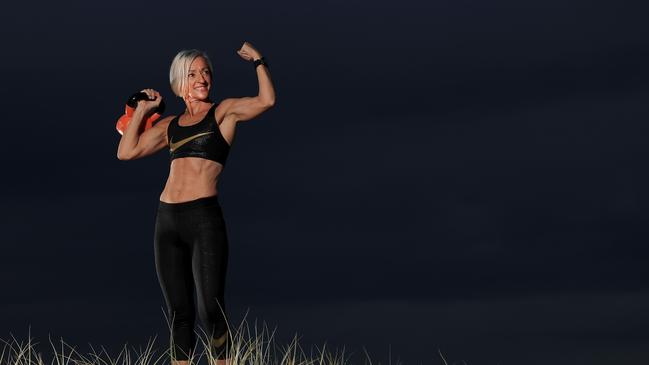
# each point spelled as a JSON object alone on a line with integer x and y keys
{"x": 457, "y": 175}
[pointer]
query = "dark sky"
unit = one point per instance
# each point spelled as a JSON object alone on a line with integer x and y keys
{"x": 466, "y": 176}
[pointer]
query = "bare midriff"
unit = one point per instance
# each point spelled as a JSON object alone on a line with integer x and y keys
{"x": 191, "y": 178}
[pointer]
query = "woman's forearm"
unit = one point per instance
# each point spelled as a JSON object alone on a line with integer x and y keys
{"x": 266, "y": 90}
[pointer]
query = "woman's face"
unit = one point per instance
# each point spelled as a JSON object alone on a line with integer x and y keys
{"x": 199, "y": 79}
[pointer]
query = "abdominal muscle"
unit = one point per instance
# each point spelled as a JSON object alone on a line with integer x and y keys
{"x": 191, "y": 178}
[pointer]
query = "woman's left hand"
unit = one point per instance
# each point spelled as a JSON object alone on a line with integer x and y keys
{"x": 248, "y": 52}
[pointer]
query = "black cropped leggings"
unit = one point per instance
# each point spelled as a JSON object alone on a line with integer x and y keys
{"x": 191, "y": 249}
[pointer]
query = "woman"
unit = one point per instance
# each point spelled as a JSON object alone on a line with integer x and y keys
{"x": 190, "y": 241}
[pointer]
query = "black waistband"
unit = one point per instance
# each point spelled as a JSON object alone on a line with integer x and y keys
{"x": 191, "y": 204}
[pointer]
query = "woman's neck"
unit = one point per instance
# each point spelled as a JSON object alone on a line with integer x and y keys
{"x": 194, "y": 107}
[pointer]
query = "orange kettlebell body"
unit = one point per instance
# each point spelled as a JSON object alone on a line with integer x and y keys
{"x": 131, "y": 104}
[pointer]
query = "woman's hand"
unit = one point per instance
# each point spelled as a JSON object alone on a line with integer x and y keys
{"x": 248, "y": 52}
{"x": 147, "y": 106}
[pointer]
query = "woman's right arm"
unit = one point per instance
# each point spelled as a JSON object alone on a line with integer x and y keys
{"x": 132, "y": 146}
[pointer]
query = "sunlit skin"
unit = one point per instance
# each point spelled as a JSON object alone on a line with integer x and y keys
{"x": 193, "y": 177}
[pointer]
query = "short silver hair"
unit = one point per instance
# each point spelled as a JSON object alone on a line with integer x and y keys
{"x": 180, "y": 69}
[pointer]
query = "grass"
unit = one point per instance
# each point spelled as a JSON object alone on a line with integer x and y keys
{"x": 248, "y": 347}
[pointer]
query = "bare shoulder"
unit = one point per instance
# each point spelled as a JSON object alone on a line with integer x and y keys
{"x": 161, "y": 126}
{"x": 224, "y": 107}
{"x": 164, "y": 122}
{"x": 242, "y": 109}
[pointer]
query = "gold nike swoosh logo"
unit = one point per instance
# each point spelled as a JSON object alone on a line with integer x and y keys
{"x": 174, "y": 145}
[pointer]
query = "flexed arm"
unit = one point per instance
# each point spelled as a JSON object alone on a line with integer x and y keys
{"x": 248, "y": 108}
{"x": 133, "y": 145}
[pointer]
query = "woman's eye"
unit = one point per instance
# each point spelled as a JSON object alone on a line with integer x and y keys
{"x": 191, "y": 75}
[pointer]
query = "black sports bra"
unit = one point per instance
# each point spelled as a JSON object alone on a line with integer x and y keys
{"x": 203, "y": 139}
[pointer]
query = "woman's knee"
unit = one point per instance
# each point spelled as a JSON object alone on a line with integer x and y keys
{"x": 182, "y": 317}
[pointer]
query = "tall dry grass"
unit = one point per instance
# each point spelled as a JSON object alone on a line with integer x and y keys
{"x": 249, "y": 346}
